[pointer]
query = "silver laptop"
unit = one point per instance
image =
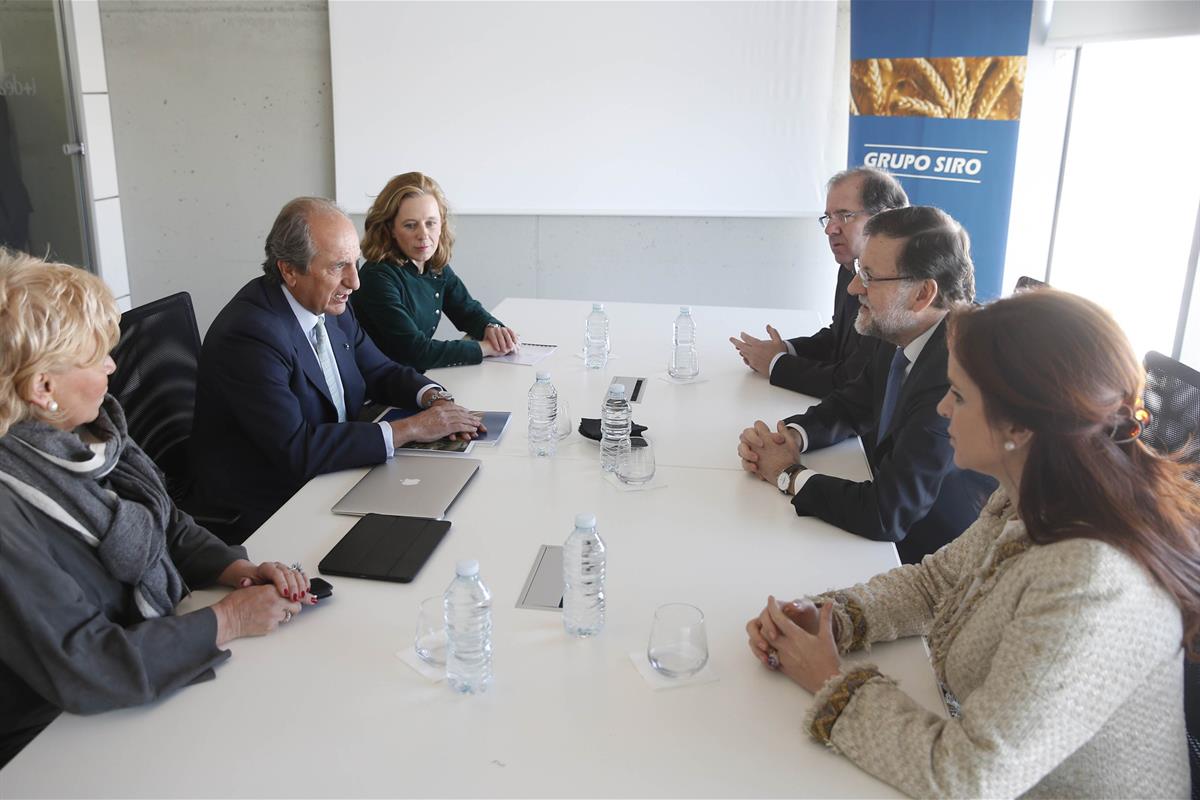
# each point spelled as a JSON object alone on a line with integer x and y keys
{"x": 409, "y": 486}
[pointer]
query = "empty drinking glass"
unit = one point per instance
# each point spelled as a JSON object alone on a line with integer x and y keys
{"x": 562, "y": 423}
{"x": 678, "y": 644}
{"x": 635, "y": 466}
{"x": 430, "y": 641}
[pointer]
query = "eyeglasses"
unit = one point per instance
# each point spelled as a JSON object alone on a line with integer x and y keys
{"x": 867, "y": 280}
{"x": 843, "y": 217}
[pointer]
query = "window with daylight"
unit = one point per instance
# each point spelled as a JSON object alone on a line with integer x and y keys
{"x": 1129, "y": 201}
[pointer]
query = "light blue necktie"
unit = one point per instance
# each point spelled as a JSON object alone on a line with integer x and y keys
{"x": 891, "y": 395}
{"x": 329, "y": 367}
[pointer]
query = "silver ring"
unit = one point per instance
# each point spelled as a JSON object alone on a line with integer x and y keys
{"x": 287, "y": 615}
{"x": 773, "y": 659}
{"x": 297, "y": 568}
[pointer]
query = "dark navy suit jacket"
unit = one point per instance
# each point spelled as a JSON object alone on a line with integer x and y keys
{"x": 265, "y": 422}
{"x": 831, "y": 357}
{"x": 917, "y": 498}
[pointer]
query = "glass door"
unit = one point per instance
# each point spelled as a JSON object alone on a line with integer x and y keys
{"x": 41, "y": 174}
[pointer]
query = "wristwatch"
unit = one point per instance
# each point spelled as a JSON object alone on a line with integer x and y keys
{"x": 784, "y": 481}
{"x": 439, "y": 394}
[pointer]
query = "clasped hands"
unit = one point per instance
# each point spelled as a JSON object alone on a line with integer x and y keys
{"x": 767, "y": 453}
{"x": 798, "y": 640}
{"x": 758, "y": 353}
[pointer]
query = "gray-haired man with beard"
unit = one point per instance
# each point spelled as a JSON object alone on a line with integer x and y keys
{"x": 914, "y": 268}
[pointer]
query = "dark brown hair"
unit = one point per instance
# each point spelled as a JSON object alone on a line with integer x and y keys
{"x": 1061, "y": 367}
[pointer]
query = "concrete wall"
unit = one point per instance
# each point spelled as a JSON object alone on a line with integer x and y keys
{"x": 222, "y": 112}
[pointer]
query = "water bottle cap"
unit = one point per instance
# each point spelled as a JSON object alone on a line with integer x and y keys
{"x": 542, "y": 376}
{"x": 585, "y": 520}
{"x": 467, "y": 568}
{"x": 616, "y": 390}
{"x": 597, "y": 306}
{"x": 685, "y": 309}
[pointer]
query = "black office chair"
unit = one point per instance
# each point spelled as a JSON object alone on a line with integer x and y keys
{"x": 155, "y": 381}
{"x": 1191, "y": 712}
{"x": 1172, "y": 397}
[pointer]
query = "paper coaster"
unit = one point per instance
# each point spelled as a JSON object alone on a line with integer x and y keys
{"x": 658, "y": 682}
{"x": 618, "y": 484}
{"x": 666, "y": 378}
{"x": 427, "y": 671}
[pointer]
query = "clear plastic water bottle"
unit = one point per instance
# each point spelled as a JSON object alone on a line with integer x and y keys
{"x": 583, "y": 578}
{"x": 615, "y": 424}
{"x": 543, "y": 412}
{"x": 468, "y": 606}
{"x": 684, "y": 364}
{"x": 595, "y": 338}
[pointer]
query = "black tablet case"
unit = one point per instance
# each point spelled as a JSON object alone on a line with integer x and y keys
{"x": 383, "y": 547}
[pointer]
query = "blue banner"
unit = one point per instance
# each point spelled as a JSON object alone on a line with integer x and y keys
{"x": 935, "y": 99}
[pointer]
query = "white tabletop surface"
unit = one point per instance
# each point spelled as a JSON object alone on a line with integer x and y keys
{"x": 324, "y": 707}
{"x": 691, "y": 425}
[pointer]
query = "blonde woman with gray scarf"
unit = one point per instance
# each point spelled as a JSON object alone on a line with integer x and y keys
{"x": 94, "y": 555}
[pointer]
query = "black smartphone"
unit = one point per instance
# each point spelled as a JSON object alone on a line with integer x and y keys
{"x": 319, "y": 588}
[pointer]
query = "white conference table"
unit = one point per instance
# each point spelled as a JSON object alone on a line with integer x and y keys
{"x": 324, "y": 707}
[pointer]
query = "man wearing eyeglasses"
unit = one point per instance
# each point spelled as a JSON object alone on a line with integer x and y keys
{"x": 915, "y": 267}
{"x": 816, "y": 365}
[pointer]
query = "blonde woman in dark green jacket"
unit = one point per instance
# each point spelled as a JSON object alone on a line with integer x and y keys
{"x": 407, "y": 282}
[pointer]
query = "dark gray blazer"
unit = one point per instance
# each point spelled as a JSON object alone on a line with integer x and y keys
{"x": 72, "y": 636}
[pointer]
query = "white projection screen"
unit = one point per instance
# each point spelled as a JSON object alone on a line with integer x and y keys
{"x": 630, "y": 108}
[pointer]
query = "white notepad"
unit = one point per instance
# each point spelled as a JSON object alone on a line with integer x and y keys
{"x": 527, "y": 353}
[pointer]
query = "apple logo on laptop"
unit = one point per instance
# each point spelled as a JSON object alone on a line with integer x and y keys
{"x": 410, "y": 481}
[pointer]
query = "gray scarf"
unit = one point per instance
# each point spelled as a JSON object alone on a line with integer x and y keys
{"x": 109, "y": 494}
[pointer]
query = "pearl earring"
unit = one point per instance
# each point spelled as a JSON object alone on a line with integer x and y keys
{"x": 1010, "y": 446}
{"x": 52, "y": 407}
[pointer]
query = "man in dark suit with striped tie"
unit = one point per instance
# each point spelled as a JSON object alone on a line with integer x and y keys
{"x": 915, "y": 267}
{"x": 285, "y": 371}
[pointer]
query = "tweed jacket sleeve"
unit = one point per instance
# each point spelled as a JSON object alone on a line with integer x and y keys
{"x": 1052, "y": 650}
{"x": 902, "y": 601}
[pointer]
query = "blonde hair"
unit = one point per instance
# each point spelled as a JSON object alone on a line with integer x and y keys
{"x": 378, "y": 242}
{"x": 53, "y": 317}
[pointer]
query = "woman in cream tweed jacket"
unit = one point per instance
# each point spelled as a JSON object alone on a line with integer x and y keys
{"x": 1055, "y": 622}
